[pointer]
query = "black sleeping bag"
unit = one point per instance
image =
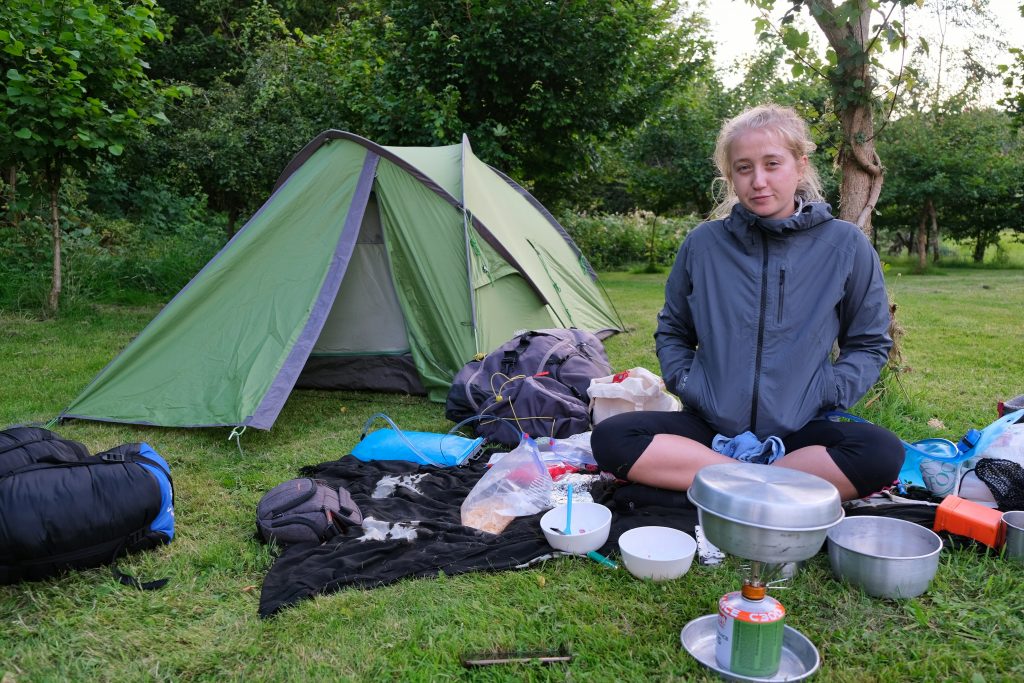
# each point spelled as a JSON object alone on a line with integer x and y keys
{"x": 62, "y": 508}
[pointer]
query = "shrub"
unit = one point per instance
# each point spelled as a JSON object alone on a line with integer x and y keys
{"x": 25, "y": 264}
{"x": 112, "y": 260}
{"x": 624, "y": 241}
{"x": 117, "y": 259}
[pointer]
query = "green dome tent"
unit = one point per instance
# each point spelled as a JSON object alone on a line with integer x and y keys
{"x": 369, "y": 267}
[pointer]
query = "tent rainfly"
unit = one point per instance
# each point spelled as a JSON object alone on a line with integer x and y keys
{"x": 369, "y": 267}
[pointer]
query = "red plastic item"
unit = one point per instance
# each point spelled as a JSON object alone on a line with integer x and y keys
{"x": 967, "y": 518}
{"x": 556, "y": 471}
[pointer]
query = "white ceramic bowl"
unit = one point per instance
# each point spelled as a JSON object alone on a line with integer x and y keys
{"x": 591, "y": 523}
{"x": 657, "y": 552}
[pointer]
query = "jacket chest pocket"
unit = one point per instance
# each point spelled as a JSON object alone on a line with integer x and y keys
{"x": 780, "y": 300}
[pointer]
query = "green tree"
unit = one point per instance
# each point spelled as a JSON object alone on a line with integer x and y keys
{"x": 664, "y": 164}
{"x": 1013, "y": 79}
{"x": 233, "y": 138}
{"x": 210, "y": 40}
{"x": 946, "y": 155}
{"x": 915, "y": 181}
{"x": 537, "y": 85}
{"x": 986, "y": 172}
{"x": 958, "y": 172}
{"x": 75, "y": 88}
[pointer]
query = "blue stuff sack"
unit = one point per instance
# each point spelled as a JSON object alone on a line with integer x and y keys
{"x": 161, "y": 471}
{"x": 425, "y": 448}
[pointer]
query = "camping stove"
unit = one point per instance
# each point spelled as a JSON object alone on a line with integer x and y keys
{"x": 772, "y": 517}
{"x": 748, "y": 639}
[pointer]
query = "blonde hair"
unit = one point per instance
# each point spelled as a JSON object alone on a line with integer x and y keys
{"x": 791, "y": 130}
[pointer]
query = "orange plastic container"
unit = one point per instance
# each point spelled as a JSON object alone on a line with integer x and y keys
{"x": 967, "y": 518}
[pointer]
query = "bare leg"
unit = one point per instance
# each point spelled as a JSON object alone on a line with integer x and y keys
{"x": 671, "y": 462}
{"x": 816, "y": 460}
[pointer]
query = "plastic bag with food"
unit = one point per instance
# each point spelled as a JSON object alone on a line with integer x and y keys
{"x": 517, "y": 485}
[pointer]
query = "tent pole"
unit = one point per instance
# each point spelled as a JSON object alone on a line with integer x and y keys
{"x": 465, "y": 235}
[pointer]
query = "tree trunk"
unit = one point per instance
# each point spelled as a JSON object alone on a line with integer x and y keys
{"x": 11, "y": 176}
{"x": 934, "y": 233}
{"x": 922, "y": 239}
{"x": 862, "y": 170}
{"x": 232, "y": 221}
{"x": 53, "y": 181}
{"x": 979, "y": 250}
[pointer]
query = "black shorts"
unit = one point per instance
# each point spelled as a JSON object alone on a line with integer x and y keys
{"x": 868, "y": 455}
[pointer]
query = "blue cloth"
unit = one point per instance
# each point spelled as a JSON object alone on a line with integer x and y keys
{"x": 746, "y": 447}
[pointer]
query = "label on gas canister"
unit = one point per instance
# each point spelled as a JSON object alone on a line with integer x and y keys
{"x": 749, "y": 639}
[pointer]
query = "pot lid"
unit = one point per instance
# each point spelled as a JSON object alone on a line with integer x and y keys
{"x": 762, "y": 495}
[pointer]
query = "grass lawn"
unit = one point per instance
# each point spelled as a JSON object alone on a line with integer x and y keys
{"x": 963, "y": 353}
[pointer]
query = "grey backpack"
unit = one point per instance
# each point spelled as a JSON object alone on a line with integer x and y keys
{"x": 535, "y": 383}
{"x": 305, "y": 511}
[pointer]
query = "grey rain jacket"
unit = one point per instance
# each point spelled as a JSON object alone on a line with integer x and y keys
{"x": 752, "y": 308}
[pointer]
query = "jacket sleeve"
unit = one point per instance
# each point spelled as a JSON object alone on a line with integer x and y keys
{"x": 675, "y": 338}
{"x": 864, "y": 340}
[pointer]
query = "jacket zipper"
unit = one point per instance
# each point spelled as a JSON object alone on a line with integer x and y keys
{"x": 782, "y": 294}
{"x": 760, "y": 334}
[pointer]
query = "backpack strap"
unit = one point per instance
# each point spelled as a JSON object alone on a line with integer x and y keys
{"x": 510, "y": 359}
{"x": 113, "y": 457}
{"x": 47, "y": 466}
{"x": 127, "y": 579}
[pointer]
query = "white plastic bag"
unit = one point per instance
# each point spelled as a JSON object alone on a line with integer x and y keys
{"x": 517, "y": 485}
{"x": 573, "y": 451}
{"x": 632, "y": 390}
{"x": 1009, "y": 445}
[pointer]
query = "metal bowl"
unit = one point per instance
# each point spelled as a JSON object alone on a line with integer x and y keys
{"x": 763, "y": 513}
{"x": 884, "y": 556}
{"x": 1014, "y": 522}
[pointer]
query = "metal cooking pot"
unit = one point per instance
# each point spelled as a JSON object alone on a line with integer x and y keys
{"x": 885, "y": 556}
{"x": 762, "y": 513}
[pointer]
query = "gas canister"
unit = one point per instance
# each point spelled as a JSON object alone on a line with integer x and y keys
{"x": 750, "y": 629}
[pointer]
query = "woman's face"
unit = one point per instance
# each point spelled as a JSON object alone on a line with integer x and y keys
{"x": 764, "y": 173}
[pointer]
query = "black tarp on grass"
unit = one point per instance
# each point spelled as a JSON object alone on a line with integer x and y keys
{"x": 412, "y": 528}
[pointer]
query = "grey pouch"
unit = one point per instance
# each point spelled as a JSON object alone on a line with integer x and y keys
{"x": 305, "y": 510}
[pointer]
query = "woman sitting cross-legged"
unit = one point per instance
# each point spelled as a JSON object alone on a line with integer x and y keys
{"x": 756, "y": 300}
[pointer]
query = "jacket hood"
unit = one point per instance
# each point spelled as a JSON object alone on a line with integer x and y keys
{"x": 810, "y": 215}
